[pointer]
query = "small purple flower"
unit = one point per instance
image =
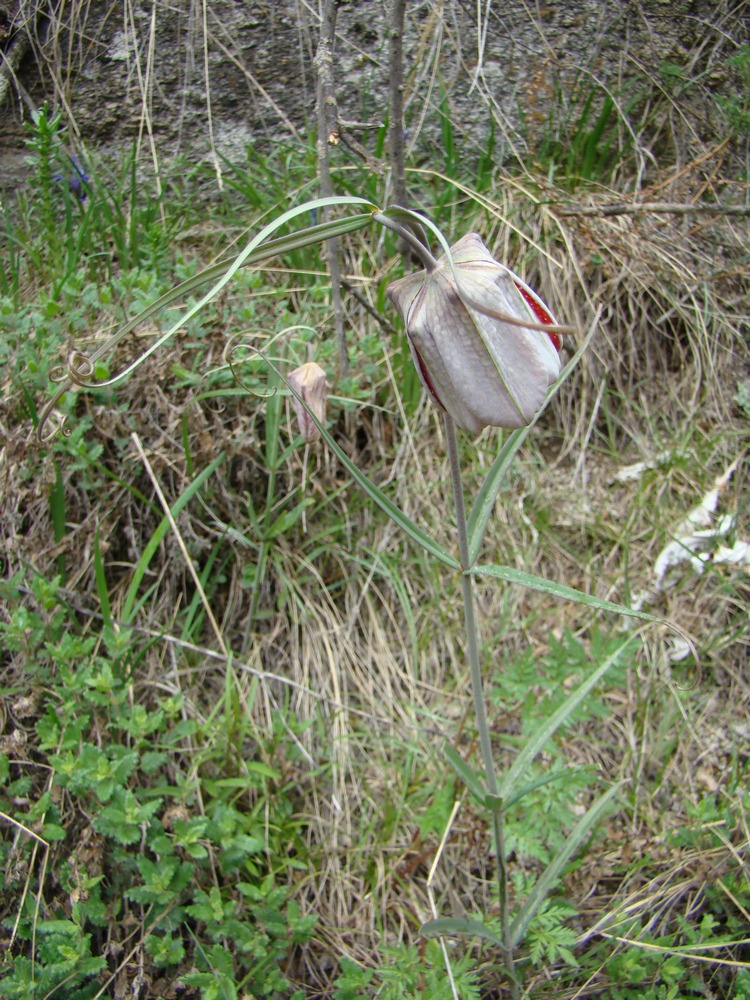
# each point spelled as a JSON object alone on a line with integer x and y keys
{"x": 76, "y": 180}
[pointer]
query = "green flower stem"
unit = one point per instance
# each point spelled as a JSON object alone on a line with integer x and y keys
{"x": 472, "y": 651}
{"x": 472, "y": 645}
{"x": 409, "y": 237}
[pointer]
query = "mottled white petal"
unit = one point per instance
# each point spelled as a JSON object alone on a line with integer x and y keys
{"x": 466, "y": 326}
{"x": 526, "y": 360}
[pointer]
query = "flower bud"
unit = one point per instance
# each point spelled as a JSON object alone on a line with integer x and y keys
{"x": 477, "y": 335}
{"x": 309, "y": 381}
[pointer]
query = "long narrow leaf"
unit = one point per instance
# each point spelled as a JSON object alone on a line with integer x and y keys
{"x": 537, "y": 741}
{"x": 258, "y": 249}
{"x": 374, "y": 492}
{"x": 390, "y": 508}
{"x": 540, "y": 782}
{"x": 466, "y": 773}
{"x": 484, "y": 504}
{"x": 554, "y": 869}
{"x": 161, "y": 530}
{"x": 512, "y": 575}
{"x": 485, "y": 500}
{"x": 233, "y": 266}
{"x": 465, "y": 926}
{"x": 416, "y": 218}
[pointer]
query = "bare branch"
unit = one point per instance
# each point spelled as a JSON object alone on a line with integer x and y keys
{"x": 654, "y": 207}
{"x": 396, "y": 30}
{"x": 328, "y": 135}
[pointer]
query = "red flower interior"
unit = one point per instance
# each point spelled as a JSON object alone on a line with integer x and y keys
{"x": 542, "y": 315}
{"x": 426, "y": 378}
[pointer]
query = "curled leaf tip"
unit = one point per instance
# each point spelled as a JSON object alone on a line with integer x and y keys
{"x": 234, "y": 355}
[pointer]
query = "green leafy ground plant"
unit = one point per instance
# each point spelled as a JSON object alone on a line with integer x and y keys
{"x": 157, "y": 845}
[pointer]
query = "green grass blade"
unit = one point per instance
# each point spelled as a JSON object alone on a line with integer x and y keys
{"x": 187, "y": 450}
{"x": 593, "y": 152}
{"x": 29, "y": 402}
{"x": 511, "y": 575}
{"x": 195, "y": 611}
{"x": 552, "y": 872}
{"x": 57, "y": 515}
{"x": 161, "y": 530}
{"x": 101, "y": 588}
{"x": 535, "y": 744}
{"x": 288, "y": 519}
{"x": 57, "y": 505}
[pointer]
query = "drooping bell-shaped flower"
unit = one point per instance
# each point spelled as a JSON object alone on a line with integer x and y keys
{"x": 477, "y": 337}
{"x": 310, "y": 383}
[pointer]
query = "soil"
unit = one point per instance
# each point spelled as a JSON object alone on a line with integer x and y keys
{"x": 114, "y": 66}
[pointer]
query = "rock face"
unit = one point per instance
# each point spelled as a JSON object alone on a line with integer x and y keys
{"x": 212, "y": 75}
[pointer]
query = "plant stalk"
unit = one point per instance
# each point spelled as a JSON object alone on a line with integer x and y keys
{"x": 417, "y": 247}
{"x": 396, "y": 129}
{"x": 328, "y": 135}
{"x": 477, "y": 692}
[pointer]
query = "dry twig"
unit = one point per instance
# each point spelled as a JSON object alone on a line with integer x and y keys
{"x": 655, "y": 208}
{"x": 328, "y": 135}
